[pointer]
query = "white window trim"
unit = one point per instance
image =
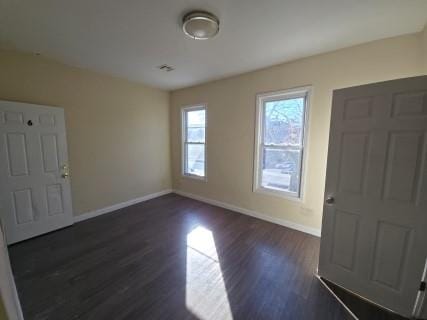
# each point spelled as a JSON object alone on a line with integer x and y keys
{"x": 194, "y": 107}
{"x": 268, "y": 96}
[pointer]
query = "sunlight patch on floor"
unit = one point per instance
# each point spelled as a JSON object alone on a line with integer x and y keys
{"x": 206, "y": 296}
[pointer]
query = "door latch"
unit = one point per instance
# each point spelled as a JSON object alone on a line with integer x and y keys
{"x": 65, "y": 173}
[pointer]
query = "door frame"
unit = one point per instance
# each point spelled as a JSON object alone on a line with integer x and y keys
{"x": 421, "y": 300}
{"x": 9, "y": 296}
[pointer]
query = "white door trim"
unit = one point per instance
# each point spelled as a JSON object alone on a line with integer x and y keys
{"x": 421, "y": 301}
{"x": 8, "y": 292}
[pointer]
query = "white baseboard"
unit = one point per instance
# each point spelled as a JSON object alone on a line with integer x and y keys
{"x": 280, "y": 221}
{"x": 262, "y": 216}
{"x": 98, "y": 212}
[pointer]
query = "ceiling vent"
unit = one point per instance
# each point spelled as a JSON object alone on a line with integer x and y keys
{"x": 166, "y": 67}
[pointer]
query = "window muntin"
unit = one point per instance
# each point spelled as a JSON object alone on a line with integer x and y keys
{"x": 281, "y": 124}
{"x": 194, "y": 141}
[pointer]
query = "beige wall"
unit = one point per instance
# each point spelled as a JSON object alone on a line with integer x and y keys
{"x": 231, "y": 120}
{"x": 118, "y": 131}
{"x": 424, "y": 47}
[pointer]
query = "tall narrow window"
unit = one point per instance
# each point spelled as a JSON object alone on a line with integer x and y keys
{"x": 281, "y": 127}
{"x": 194, "y": 141}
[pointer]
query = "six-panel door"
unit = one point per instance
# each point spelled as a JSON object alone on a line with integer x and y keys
{"x": 35, "y": 197}
{"x": 374, "y": 239}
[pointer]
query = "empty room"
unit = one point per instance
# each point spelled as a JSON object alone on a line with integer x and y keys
{"x": 213, "y": 160}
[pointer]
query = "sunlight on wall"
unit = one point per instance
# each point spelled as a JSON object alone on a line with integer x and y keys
{"x": 206, "y": 296}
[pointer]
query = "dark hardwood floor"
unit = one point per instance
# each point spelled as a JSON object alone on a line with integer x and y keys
{"x": 172, "y": 258}
{"x": 363, "y": 309}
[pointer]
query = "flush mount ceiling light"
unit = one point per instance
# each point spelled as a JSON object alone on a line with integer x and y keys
{"x": 200, "y": 25}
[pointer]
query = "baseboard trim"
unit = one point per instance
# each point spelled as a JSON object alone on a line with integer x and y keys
{"x": 98, "y": 212}
{"x": 252, "y": 213}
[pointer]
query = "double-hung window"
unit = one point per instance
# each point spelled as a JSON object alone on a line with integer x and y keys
{"x": 194, "y": 142}
{"x": 280, "y": 142}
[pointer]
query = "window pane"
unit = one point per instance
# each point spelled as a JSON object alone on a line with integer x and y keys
{"x": 196, "y": 134}
{"x": 195, "y": 163}
{"x": 281, "y": 169}
{"x": 284, "y": 121}
{"x": 196, "y": 118}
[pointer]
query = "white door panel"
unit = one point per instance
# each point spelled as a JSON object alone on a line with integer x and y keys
{"x": 35, "y": 198}
{"x": 374, "y": 239}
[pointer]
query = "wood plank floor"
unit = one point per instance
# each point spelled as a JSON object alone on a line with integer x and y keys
{"x": 172, "y": 258}
{"x": 363, "y": 309}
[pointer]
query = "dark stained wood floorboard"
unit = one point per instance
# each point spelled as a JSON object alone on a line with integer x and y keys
{"x": 363, "y": 309}
{"x": 135, "y": 264}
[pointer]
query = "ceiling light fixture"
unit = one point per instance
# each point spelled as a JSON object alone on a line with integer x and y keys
{"x": 200, "y": 25}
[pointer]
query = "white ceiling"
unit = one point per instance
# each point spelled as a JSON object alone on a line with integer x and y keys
{"x": 130, "y": 38}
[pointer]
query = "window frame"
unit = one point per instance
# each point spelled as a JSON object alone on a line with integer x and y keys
{"x": 261, "y": 99}
{"x": 184, "y": 142}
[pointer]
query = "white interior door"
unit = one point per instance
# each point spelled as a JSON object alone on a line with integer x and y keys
{"x": 374, "y": 233}
{"x": 35, "y": 195}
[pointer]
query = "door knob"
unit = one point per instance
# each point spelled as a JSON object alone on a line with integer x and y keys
{"x": 330, "y": 200}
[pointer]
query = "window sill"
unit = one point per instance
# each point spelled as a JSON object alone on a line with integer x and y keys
{"x": 277, "y": 193}
{"x": 194, "y": 177}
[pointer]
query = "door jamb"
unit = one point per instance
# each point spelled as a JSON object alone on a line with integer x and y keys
{"x": 421, "y": 295}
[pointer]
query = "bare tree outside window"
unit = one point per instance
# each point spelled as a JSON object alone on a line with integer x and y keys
{"x": 281, "y": 142}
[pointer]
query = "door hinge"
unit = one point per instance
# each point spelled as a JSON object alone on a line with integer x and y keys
{"x": 422, "y": 286}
